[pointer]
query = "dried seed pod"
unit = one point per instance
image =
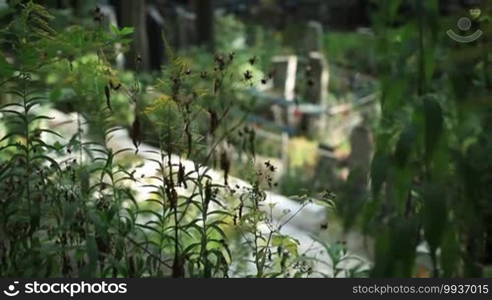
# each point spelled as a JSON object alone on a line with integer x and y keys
{"x": 136, "y": 133}
{"x": 189, "y": 139}
{"x": 225, "y": 165}
{"x": 214, "y": 121}
{"x": 208, "y": 194}
{"x": 181, "y": 176}
{"x": 171, "y": 194}
{"x": 107, "y": 92}
{"x": 240, "y": 213}
{"x": 174, "y": 198}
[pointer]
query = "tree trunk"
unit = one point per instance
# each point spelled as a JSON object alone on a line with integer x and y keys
{"x": 205, "y": 23}
{"x": 133, "y": 14}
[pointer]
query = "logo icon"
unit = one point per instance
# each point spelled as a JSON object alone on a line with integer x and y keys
{"x": 464, "y": 24}
{"x": 11, "y": 291}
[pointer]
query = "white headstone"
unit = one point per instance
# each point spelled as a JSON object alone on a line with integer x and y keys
{"x": 284, "y": 84}
{"x": 284, "y": 80}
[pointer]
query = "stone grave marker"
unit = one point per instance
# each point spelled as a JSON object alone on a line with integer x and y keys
{"x": 284, "y": 81}
{"x": 284, "y": 84}
{"x": 362, "y": 148}
{"x": 313, "y": 39}
{"x": 317, "y": 80}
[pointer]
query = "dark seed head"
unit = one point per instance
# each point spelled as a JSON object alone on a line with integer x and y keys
{"x": 248, "y": 75}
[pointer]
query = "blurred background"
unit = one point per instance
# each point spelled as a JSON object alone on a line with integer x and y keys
{"x": 372, "y": 104}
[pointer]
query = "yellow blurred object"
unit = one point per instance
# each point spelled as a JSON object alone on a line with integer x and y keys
{"x": 302, "y": 152}
{"x": 160, "y": 102}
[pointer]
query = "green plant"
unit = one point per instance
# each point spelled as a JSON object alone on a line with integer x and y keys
{"x": 344, "y": 49}
{"x": 426, "y": 183}
{"x": 70, "y": 207}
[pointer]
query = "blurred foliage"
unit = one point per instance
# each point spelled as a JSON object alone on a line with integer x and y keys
{"x": 344, "y": 49}
{"x": 70, "y": 207}
{"x": 430, "y": 178}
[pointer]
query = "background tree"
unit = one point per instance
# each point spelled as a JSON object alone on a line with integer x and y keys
{"x": 205, "y": 23}
{"x": 134, "y": 14}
